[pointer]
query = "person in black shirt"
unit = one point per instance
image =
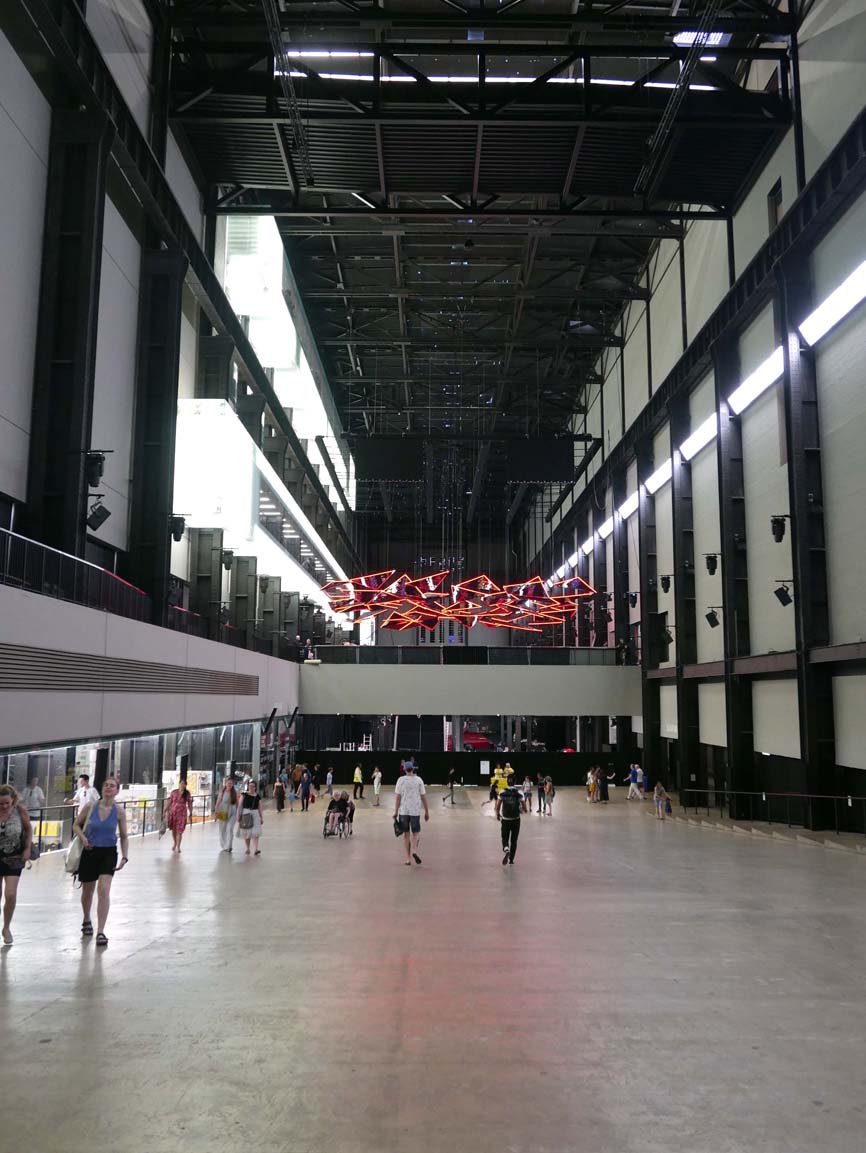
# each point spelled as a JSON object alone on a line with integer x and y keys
{"x": 509, "y": 806}
{"x": 452, "y": 777}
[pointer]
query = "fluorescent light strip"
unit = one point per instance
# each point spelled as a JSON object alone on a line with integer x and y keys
{"x": 700, "y": 438}
{"x": 606, "y": 529}
{"x": 603, "y": 81}
{"x": 760, "y": 380}
{"x": 588, "y": 546}
{"x": 629, "y": 506}
{"x": 660, "y": 477}
{"x": 572, "y": 560}
{"x": 836, "y": 307}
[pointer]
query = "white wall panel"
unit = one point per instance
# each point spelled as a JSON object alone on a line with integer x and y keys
{"x": 711, "y": 715}
{"x": 666, "y": 312}
{"x": 840, "y": 364}
{"x": 114, "y": 382}
{"x": 25, "y": 126}
{"x": 184, "y": 187}
{"x": 702, "y": 401}
{"x": 122, "y": 31}
{"x": 776, "y": 717}
{"x": 751, "y": 223}
{"x": 849, "y": 709}
{"x": 188, "y": 346}
{"x": 613, "y": 429}
{"x": 665, "y": 561}
{"x": 636, "y": 386}
{"x": 668, "y": 710}
{"x": 706, "y": 247}
{"x": 708, "y": 589}
{"x": 832, "y": 74}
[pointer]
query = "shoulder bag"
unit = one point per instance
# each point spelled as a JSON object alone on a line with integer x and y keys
{"x": 73, "y": 853}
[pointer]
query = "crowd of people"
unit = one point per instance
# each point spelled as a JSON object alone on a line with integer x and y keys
{"x": 100, "y": 826}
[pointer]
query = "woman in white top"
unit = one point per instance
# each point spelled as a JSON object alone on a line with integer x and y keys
{"x": 226, "y": 810}
{"x": 377, "y": 785}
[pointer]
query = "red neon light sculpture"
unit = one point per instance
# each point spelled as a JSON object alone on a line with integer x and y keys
{"x": 402, "y": 602}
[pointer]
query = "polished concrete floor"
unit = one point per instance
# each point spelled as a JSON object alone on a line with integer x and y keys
{"x": 625, "y": 987}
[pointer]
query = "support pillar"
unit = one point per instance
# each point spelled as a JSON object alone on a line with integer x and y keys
{"x": 650, "y": 688}
{"x": 159, "y": 324}
{"x": 622, "y": 629}
{"x": 808, "y": 545}
{"x": 735, "y": 573}
{"x": 66, "y": 335}
{"x": 600, "y": 578}
{"x": 691, "y": 771}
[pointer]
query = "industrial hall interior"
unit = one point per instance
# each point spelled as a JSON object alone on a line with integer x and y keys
{"x": 432, "y": 623}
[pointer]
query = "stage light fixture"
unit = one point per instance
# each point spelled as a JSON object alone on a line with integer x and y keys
{"x": 783, "y": 595}
{"x": 94, "y": 467}
{"x": 632, "y": 600}
{"x": 712, "y": 562}
{"x": 227, "y": 556}
{"x": 665, "y": 583}
{"x": 712, "y": 619}
{"x": 777, "y": 527}
{"x": 178, "y": 524}
{"x": 98, "y": 515}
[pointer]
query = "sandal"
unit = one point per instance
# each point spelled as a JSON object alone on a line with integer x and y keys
{"x": 87, "y": 928}
{"x": 101, "y": 939}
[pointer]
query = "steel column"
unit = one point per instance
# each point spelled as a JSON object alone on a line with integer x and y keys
{"x": 650, "y": 689}
{"x": 599, "y": 577}
{"x": 734, "y": 569}
{"x": 66, "y": 336}
{"x": 683, "y": 579}
{"x": 622, "y": 627}
{"x": 159, "y": 324}
{"x": 808, "y": 546}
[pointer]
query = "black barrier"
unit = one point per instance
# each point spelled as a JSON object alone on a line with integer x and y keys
{"x": 564, "y": 768}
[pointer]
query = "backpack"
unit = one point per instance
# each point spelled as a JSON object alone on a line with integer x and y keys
{"x": 510, "y": 805}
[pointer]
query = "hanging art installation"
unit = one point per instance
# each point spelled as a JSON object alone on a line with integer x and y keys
{"x": 402, "y": 602}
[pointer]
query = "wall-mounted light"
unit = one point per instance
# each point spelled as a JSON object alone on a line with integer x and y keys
{"x": 227, "y": 557}
{"x": 632, "y": 600}
{"x": 777, "y": 526}
{"x": 98, "y": 514}
{"x": 712, "y": 562}
{"x": 783, "y": 594}
{"x": 665, "y": 582}
{"x": 712, "y": 617}
{"x": 178, "y": 524}
{"x": 94, "y": 467}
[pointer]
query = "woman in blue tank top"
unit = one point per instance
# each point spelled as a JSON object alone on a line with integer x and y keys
{"x": 98, "y": 827}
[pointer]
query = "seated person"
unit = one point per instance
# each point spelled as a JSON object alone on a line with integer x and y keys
{"x": 337, "y": 810}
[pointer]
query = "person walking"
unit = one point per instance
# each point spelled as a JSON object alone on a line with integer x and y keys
{"x": 329, "y": 782}
{"x": 16, "y": 841}
{"x": 33, "y": 799}
{"x": 279, "y": 795}
{"x": 634, "y": 792}
{"x": 305, "y": 789}
{"x": 377, "y": 785}
{"x": 603, "y": 784}
{"x": 99, "y": 826}
{"x": 178, "y": 813}
{"x": 250, "y": 818}
{"x": 509, "y": 806}
{"x": 263, "y": 783}
{"x": 539, "y": 785}
{"x": 226, "y": 809}
{"x": 358, "y": 781}
{"x": 85, "y": 794}
{"x": 410, "y": 796}
{"x": 449, "y": 785}
{"x": 549, "y": 794}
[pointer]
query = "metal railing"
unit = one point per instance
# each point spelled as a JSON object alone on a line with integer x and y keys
{"x": 463, "y": 655}
{"x": 800, "y": 810}
{"x": 181, "y": 620}
{"x": 36, "y": 568}
{"x": 52, "y": 824}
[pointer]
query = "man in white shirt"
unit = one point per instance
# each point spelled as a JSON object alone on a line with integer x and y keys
{"x": 410, "y": 796}
{"x": 85, "y": 794}
{"x": 33, "y": 799}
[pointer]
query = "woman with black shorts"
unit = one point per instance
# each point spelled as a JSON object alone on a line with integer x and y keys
{"x": 16, "y": 838}
{"x": 98, "y": 827}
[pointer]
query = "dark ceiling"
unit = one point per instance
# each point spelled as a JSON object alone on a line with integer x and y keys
{"x": 465, "y": 247}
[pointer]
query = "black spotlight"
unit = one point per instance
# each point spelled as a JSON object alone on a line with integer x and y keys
{"x": 777, "y": 527}
{"x": 632, "y": 600}
{"x": 227, "y": 557}
{"x": 712, "y": 619}
{"x": 98, "y": 515}
{"x": 666, "y": 583}
{"x": 712, "y": 563}
{"x": 668, "y": 637}
{"x": 94, "y": 467}
{"x": 178, "y": 524}
{"x": 783, "y": 596}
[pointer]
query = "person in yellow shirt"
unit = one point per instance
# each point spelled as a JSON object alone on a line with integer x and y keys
{"x": 358, "y": 780}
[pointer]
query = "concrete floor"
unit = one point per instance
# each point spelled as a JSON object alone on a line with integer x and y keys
{"x": 626, "y": 986}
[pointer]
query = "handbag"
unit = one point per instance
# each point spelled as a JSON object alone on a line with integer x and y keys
{"x": 668, "y": 807}
{"x": 398, "y": 828}
{"x": 247, "y": 820}
{"x": 73, "y": 853}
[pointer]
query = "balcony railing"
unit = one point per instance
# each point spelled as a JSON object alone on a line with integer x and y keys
{"x": 463, "y": 655}
{"x": 36, "y": 568}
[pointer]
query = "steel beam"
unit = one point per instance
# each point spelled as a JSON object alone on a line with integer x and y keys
{"x": 63, "y": 382}
{"x": 159, "y": 325}
{"x": 648, "y": 567}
